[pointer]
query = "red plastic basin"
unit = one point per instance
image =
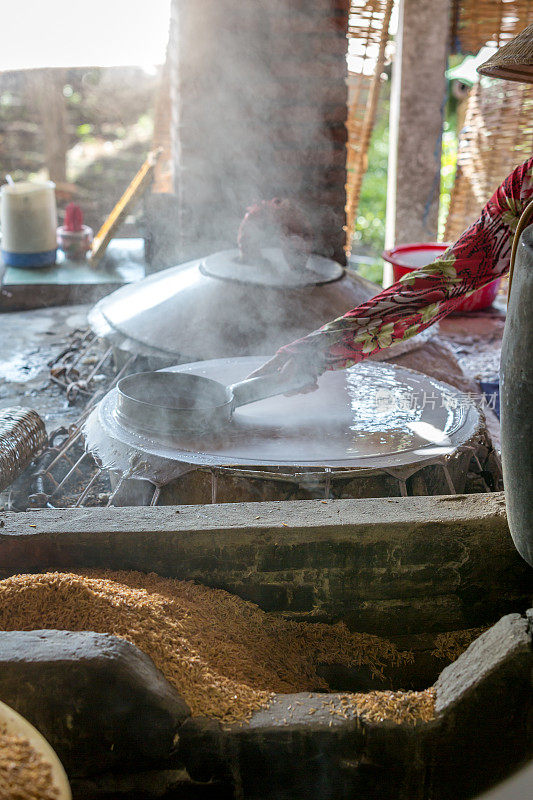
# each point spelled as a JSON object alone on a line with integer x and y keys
{"x": 408, "y": 257}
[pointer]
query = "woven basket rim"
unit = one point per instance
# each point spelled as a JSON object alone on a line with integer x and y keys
{"x": 517, "y": 52}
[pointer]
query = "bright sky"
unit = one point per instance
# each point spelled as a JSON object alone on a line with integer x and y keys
{"x": 82, "y": 33}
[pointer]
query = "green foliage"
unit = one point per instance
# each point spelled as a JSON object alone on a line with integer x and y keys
{"x": 75, "y": 99}
{"x": 145, "y": 123}
{"x": 447, "y": 175}
{"x": 371, "y": 269}
{"x": 369, "y": 228}
{"x": 84, "y": 131}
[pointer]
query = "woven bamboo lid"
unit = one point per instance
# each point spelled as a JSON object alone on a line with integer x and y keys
{"x": 513, "y": 61}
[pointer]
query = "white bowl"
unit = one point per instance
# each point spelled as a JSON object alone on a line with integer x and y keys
{"x": 15, "y": 725}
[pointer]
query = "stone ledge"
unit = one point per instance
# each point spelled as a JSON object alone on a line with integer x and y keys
{"x": 421, "y": 564}
{"x": 289, "y": 517}
{"x": 98, "y": 700}
{"x": 297, "y": 746}
{"x": 485, "y": 702}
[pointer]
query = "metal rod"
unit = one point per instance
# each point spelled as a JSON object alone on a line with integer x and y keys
{"x": 114, "y": 493}
{"x": 66, "y": 385}
{"x": 99, "y": 364}
{"x": 82, "y": 353}
{"x": 96, "y": 397}
{"x": 66, "y": 458}
{"x": 64, "y": 447}
{"x": 69, "y": 473}
{"x": 121, "y": 372}
{"x": 50, "y": 477}
{"x": 87, "y": 489}
{"x": 76, "y": 433}
{"x": 449, "y": 481}
{"x": 476, "y": 459}
{"x": 67, "y": 361}
{"x": 327, "y": 482}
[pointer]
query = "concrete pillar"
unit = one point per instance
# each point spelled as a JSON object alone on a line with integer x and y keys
{"x": 417, "y": 113}
{"x": 259, "y": 99}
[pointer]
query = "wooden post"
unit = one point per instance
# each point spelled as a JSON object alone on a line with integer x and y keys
{"x": 416, "y": 118}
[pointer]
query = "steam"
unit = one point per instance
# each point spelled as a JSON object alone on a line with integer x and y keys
{"x": 251, "y": 98}
{"x": 258, "y": 103}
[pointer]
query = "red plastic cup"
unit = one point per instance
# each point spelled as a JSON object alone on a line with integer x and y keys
{"x": 408, "y": 257}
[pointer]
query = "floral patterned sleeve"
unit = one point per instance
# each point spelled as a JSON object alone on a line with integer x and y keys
{"x": 421, "y": 298}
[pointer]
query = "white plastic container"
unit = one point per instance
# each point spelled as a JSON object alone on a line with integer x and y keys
{"x": 28, "y": 216}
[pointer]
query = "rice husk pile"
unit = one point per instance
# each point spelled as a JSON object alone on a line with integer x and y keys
{"x": 399, "y": 707}
{"x": 225, "y": 656}
{"x": 23, "y": 773}
{"x": 451, "y": 644}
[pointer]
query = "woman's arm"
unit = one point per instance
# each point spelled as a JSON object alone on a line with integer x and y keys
{"x": 420, "y": 298}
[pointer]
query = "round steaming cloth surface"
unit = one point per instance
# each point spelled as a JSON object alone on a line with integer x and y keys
{"x": 369, "y": 415}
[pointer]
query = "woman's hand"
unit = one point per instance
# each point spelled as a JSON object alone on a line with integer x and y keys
{"x": 289, "y": 369}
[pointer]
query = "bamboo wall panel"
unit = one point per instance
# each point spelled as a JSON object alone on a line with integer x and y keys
{"x": 369, "y": 34}
{"x": 498, "y": 128}
{"x": 480, "y": 22}
{"x": 496, "y": 138}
